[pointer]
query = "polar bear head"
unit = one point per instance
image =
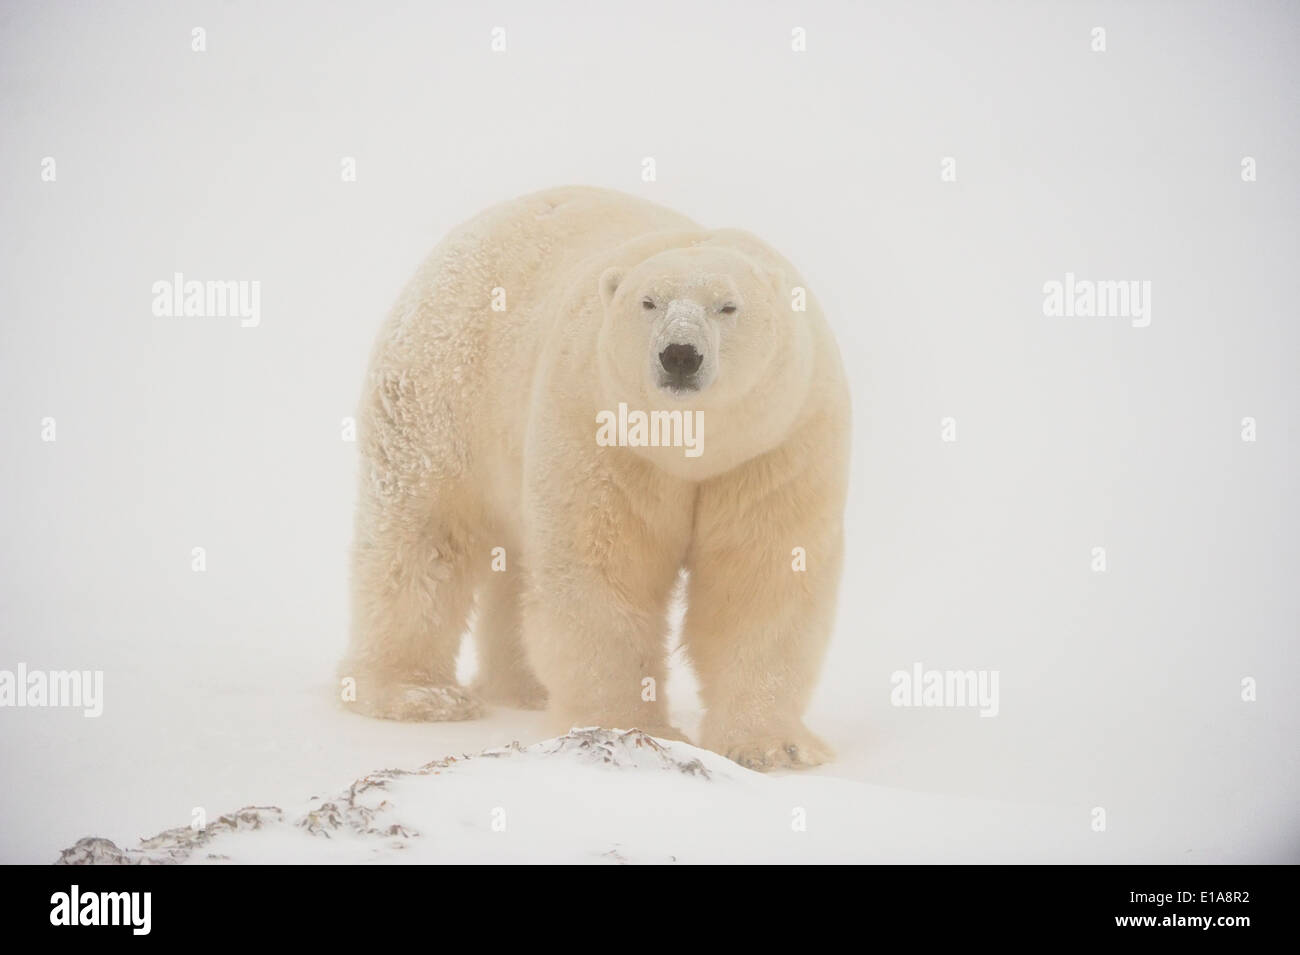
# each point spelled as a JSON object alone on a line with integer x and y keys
{"x": 701, "y": 326}
{"x": 706, "y": 331}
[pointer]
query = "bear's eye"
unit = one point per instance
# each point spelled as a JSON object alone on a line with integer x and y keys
{"x": 647, "y": 303}
{"x": 728, "y": 309}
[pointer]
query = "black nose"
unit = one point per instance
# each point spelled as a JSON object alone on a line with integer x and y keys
{"x": 680, "y": 360}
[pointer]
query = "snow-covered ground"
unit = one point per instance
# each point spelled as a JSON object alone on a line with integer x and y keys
{"x": 1119, "y": 691}
{"x": 597, "y": 795}
{"x": 948, "y": 788}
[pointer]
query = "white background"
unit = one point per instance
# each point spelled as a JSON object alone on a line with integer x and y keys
{"x": 1120, "y": 690}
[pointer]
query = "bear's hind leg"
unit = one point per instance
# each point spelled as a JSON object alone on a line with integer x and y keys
{"x": 505, "y": 675}
{"x": 412, "y": 592}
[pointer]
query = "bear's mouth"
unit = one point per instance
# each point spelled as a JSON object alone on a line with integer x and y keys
{"x": 679, "y": 386}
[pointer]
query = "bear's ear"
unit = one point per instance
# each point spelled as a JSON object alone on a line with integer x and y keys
{"x": 776, "y": 275}
{"x": 773, "y": 276}
{"x": 609, "y": 280}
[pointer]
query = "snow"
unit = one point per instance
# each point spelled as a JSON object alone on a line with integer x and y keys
{"x": 295, "y": 753}
{"x": 1120, "y": 691}
{"x": 594, "y": 796}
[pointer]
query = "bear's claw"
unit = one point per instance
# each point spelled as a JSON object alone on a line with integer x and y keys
{"x": 418, "y": 703}
{"x": 779, "y": 751}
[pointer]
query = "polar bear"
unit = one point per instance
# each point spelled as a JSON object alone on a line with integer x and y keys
{"x": 507, "y": 468}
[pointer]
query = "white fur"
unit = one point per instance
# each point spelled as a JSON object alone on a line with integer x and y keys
{"x": 477, "y": 431}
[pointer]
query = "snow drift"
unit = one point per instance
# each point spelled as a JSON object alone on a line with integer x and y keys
{"x": 595, "y": 796}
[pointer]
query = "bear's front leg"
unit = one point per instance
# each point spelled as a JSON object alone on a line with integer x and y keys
{"x": 764, "y": 572}
{"x": 604, "y": 549}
